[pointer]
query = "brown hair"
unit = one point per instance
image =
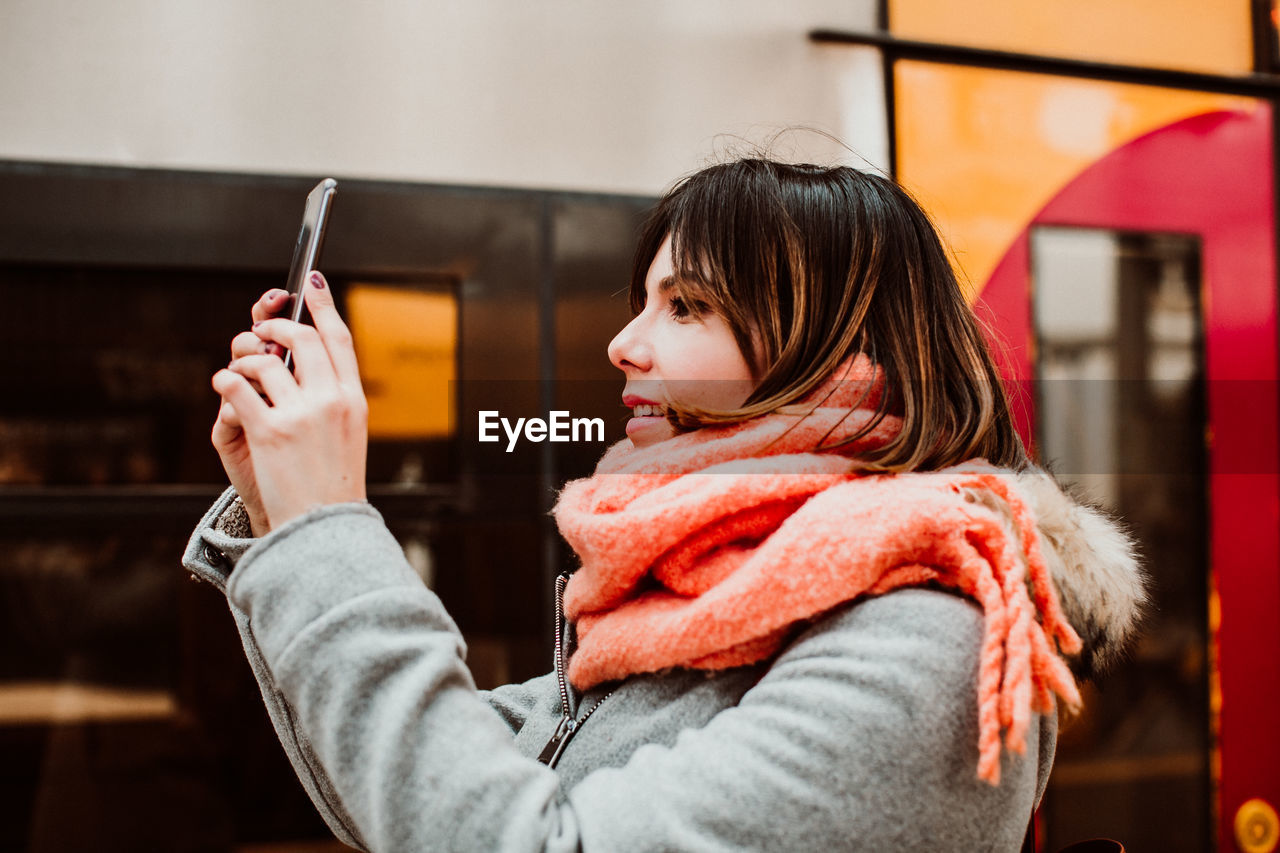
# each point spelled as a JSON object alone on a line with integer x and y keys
{"x": 811, "y": 265}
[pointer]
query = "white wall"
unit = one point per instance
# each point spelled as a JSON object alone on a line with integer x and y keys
{"x": 577, "y": 94}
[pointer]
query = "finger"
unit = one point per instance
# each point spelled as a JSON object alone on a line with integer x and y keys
{"x": 247, "y": 343}
{"x": 269, "y": 372}
{"x": 243, "y": 349}
{"x": 273, "y": 303}
{"x": 227, "y": 415}
{"x": 311, "y": 363}
{"x": 226, "y": 427}
{"x": 234, "y": 389}
{"x": 334, "y": 332}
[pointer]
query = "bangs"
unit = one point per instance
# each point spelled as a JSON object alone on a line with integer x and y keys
{"x": 696, "y": 274}
{"x": 699, "y": 276}
{"x": 732, "y": 243}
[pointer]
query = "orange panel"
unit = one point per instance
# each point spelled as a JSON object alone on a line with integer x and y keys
{"x": 406, "y": 341}
{"x": 984, "y": 150}
{"x": 1186, "y": 34}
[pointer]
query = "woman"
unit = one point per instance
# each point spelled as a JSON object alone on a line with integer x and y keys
{"x": 814, "y": 610}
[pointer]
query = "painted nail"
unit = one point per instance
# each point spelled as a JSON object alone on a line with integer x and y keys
{"x": 257, "y": 324}
{"x": 317, "y": 280}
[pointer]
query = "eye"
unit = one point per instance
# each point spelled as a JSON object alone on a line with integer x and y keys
{"x": 684, "y": 308}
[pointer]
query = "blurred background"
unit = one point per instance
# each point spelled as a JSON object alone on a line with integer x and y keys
{"x": 1104, "y": 173}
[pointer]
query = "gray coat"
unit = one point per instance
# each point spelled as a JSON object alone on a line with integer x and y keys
{"x": 861, "y": 734}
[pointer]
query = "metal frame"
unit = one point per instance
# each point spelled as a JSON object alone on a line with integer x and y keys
{"x": 1257, "y": 85}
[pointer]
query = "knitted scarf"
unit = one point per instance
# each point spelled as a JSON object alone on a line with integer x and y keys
{"x": 707, "y": 550}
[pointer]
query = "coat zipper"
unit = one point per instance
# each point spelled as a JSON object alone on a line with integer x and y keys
{"x": 568, "y": 725}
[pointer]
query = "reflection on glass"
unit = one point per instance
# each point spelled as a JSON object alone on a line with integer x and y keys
{"x": 93, "y": 723}
{"x": 125, "y": 700}
{"x": 406, "y": 338}
{"x": 124, "y": 398}
{"x": 1184, "y": 34}
{"x": 1014, "y": 140}
{"x": 1121, "y": 417}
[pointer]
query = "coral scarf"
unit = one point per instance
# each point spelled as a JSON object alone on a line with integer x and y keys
{"x": 706, "y": 550}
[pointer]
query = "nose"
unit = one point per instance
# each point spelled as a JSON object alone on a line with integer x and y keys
{"x": 629, "y": 350}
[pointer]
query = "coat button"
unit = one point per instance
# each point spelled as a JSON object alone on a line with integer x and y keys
{"x": 215, "y": 558}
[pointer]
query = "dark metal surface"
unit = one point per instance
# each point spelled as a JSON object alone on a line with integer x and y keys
{"x": 1256, "y": 85}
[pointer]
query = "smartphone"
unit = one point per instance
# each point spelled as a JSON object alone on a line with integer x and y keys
{"x": 306, "y": 253}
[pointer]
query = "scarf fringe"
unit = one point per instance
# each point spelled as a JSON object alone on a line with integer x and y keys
{"x": 1017, "y": 660}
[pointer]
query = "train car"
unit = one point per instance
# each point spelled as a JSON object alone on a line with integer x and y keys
{"x": 1106, "y": 180}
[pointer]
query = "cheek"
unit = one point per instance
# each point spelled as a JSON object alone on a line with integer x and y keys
{"x": 710, "y": 372}
{"x": 714, "y": 393}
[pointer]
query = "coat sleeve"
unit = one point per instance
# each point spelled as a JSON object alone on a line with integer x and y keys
{"x": 211, "y": 556}
{"x": 862, "y": 735}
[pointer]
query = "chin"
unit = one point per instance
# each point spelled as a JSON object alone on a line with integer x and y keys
{"x": 652, "y": 436}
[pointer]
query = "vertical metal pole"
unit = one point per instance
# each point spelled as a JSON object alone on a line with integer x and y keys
{"x": 891, "y": 113}
{"x": 547, "y": 369}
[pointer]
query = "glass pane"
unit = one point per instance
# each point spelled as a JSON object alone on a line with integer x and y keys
{"x": 128, "y": 719}
{"x": 1121, "y": 417}
{"x": 406, "y": 337}
{"x": 1182, "y": 34}
{"x": 126, "y": 702}
{"x": 984, "y": 150}
{"x": 124, "y": 397}
{"x": 125, "y": 698}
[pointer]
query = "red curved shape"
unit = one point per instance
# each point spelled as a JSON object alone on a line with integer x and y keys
{"x": 1209, "y": 175}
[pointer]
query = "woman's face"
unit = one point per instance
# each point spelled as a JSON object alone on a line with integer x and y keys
{"x": 671, "y": 354}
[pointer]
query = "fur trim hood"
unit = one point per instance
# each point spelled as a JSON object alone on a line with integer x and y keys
{"x": 1095, "y": 565}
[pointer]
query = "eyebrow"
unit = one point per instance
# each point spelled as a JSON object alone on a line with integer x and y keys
{"x": 666, "y": 285}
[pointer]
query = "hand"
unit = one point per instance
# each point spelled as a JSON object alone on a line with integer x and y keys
{"x": 306, "y": 443}
{"x": 228, "y": 435}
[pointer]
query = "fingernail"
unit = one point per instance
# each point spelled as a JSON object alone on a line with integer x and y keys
{"x": 276, "y": 293}
{"x": 317, "y": 280}
{"x": 257, "y": 324}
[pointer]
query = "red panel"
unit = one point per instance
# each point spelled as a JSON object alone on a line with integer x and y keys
{"x": 1005, "y": 305}
{"x": 1209, "y": 175}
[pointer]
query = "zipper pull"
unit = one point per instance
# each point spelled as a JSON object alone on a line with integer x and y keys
{"x": 551, "y": 752}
